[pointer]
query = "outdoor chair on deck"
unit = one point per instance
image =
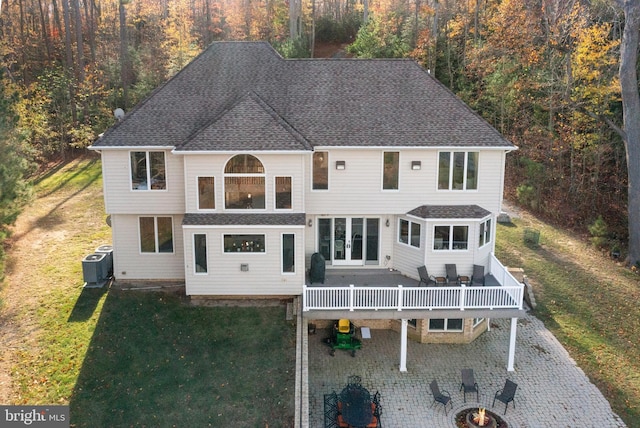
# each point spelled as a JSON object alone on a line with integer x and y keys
{"x": 430, "y": 280}
{"x": 506, "y": 395}
{"x": 443, "y": 397}
{"x": 469, "y": 384}
{"x": 452, "y": 276}
{"x": 477, "y": 279}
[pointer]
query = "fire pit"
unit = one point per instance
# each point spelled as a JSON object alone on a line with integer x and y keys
{"x": 480, "y": 419}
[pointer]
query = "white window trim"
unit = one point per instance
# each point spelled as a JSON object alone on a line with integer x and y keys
{"x": 328, "y": 171}
{"x": 206, "y": 243}
{"x": 450, "y": 226}
{"x": 410, "y": 223}
{"x": 244, "y": 253}
{"x": 282, "y": 256}
{"x": 149, "y": 189}
{"x": 155, "y": 233}
{"x": 215, "y": 199}
{"x": 477, "y": 322}
{"x": 487, "y": 236}
{"x": 446, "y": 329}
{"x": 399, "y": 171}
{"x": 464, "y": 177}
{"x": 275, "y": 193}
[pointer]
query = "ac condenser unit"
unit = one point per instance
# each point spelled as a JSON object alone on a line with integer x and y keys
{"x": 95, "y": 270}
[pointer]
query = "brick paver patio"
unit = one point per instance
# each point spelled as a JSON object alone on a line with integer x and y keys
{"x": 552, "y": 390}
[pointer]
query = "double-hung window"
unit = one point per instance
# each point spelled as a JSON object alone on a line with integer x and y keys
{"x": 409, "y": 233}
{"x": 485, "y": 233}
{"x": 458, "y": 170}
{"x": 156, "y": 234}
{"x": 451, "y": 237}
{"x": 148, "y": 171}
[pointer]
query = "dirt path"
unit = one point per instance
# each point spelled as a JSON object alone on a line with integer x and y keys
{"x": 41, "y": 239}
{"x": 18, "y": 296}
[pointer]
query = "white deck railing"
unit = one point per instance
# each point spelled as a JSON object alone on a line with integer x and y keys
{"x": 509, "y": 295}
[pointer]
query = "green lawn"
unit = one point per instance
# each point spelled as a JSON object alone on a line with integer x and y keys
{"x": 588, "y": 301}
{"x": 123, "y": 358}
{"x": 148, "y": 359}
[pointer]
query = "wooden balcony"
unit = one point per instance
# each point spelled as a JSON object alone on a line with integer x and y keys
{"x": 371, "y": 297}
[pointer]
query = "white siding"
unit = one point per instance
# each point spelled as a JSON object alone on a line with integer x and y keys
{"x": 131, "y": 264}
{"x": 385, "y": 239}
{"x": 264, "y": 276}
{"x": 120, "y": 199}
{"x": 358, "y": 188}
{"x": 276, "y": 165}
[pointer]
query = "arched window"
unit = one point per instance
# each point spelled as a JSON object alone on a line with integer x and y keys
{"x": 244, "y": 183}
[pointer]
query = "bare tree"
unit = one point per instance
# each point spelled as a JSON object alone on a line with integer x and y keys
{"x": 79, "y": 45}
{"x": 631, "y": 118}
{"x": 124, "y": 54}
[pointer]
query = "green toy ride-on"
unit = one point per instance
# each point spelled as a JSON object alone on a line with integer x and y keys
{"x": 343, "y": 337}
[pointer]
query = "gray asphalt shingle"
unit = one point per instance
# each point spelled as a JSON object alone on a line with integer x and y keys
{"x": 242, "y": 219}
{"x": 244, "y": 96}
{"x": 449, "y": 212}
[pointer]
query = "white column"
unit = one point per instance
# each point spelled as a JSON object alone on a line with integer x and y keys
{"x": 512, "y": 344}
{"x": 403, "y": 346}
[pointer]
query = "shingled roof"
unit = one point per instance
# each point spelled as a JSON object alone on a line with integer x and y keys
{"x": 241, "y": 219}
{"x": 236, "y": 90}
{"x": 449, "y": 212}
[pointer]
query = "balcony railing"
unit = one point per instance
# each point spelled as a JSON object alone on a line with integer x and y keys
{"x": 508, "y": 295}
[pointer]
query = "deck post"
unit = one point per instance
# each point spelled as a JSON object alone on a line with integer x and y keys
{"x": 512, "y": 344}
{"x": 403, "y": 345}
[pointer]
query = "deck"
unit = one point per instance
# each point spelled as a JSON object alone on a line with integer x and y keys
{"x": 384, "y": 293}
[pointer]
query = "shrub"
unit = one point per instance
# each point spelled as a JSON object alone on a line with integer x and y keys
{"x": 599, "y": 232}
{"x": 527, "y": 196}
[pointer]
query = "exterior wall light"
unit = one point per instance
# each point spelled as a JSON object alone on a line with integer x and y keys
{"x": 310, "y": 222}
{"x": 340, "y": 165}
{"x": 415, "y": 165}
{"x": 387, "y": 223}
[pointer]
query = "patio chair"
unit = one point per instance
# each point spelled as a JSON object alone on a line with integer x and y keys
{"x": 425, "y": 278}
{"x": 354, "y": 380}
{"x": 477, "y": 279}
{"x": 452, "y": 276}
{"x": 377, "y": 409}
{"x": 331, "y": 410}
{"x": 443, "y": 397}
{"x": 428, "y": 280}
{"x": 506, "y": 395}
{"x": 469, "y": 384}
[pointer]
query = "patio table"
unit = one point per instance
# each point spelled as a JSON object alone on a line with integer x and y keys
{"x": 356, "y": 406}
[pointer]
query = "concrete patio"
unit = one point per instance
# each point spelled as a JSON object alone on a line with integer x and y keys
{"x": 552, "y": 390}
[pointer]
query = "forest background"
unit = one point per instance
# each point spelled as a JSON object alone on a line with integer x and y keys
{"x": 542, "y": 72}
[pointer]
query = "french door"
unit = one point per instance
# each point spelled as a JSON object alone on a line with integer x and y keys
{"x": 349, "y": 241}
